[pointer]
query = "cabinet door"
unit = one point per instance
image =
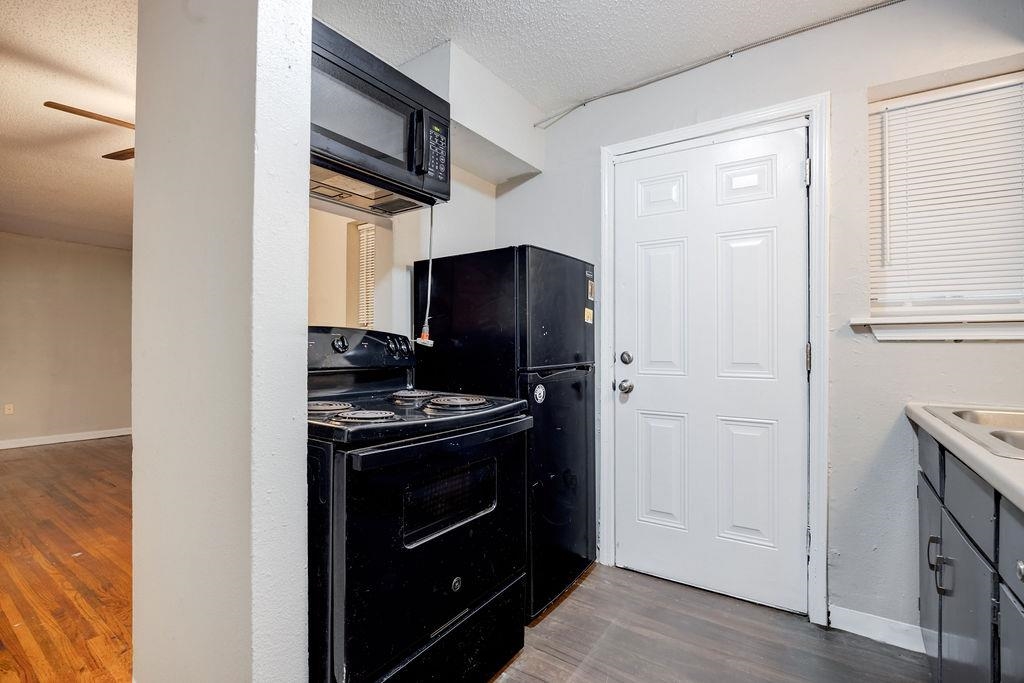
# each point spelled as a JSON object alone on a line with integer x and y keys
{"x": 966, "y": 585}
{"x": 929, "y": 514}
{"x": 1011, "y": 638}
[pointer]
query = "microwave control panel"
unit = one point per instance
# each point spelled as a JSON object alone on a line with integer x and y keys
{"x": 437, "y": 151}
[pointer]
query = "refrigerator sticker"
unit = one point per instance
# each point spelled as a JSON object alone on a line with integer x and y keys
{"x": 590, "y": 289}
{"x": 588, "y": 315}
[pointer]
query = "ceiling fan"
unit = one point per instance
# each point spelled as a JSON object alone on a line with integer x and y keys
{"x": 121, "y": 155}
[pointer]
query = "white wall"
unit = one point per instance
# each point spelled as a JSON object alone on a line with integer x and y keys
{"x": 65, "y": 331}
{"x": 219, "y": 341}
{"x": 872, "y": 515}
{"x": 465, "y": 224}
{"x": 493, "y": 134}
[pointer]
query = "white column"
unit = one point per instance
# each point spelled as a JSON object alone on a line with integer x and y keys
{"x": 218, "y": 341}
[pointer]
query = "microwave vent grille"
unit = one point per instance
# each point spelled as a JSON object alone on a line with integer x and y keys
{"x": 396, "y": 205}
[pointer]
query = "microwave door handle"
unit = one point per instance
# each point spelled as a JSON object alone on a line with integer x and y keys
{"x": 419, "y": 141}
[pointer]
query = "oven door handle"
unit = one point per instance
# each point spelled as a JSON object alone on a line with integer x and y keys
{"x": 385, "y": 455}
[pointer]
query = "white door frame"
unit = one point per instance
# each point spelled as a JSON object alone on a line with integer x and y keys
{"x": 816, "y": 108}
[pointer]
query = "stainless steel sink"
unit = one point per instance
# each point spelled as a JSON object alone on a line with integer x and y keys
{"x": 1015, "y": 439}
{"x": 999, "y": 430}
{"x": 1001, "y": 419}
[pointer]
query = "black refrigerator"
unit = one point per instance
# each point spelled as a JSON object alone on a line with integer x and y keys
{"x": 519, "y": 322}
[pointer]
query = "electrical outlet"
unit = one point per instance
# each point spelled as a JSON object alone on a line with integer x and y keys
{"x": 8, "y": 409}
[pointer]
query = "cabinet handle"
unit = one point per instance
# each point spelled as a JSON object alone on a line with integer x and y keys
{"x": 933, "y": 540}
{"x": 940, "y": 563}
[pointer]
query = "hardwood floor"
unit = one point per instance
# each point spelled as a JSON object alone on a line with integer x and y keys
{"x": 65, "y": 562}
{"x": 65, "y": 601}
{"x": 622, "y": 626}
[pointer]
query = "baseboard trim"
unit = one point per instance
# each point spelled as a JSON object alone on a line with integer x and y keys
{"x": 63, "y": 438}
{"x": 898, "y": 633}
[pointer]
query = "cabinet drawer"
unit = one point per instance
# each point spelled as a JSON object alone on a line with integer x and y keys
{"x": 929, "y": 457}
{"x": 1011, "y": 638}
{"x": 972, "y": 503}
{"x": 1011, "y": 546}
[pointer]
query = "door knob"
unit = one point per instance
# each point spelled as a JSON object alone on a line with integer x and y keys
{"x": 625, "y": 386}
{"x": 626, "y": 357}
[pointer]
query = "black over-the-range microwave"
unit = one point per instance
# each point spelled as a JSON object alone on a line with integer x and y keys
{"x": 378, "y": 139}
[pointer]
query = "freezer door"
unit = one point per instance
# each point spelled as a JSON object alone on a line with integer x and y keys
{"x": 556, "y": 309}
{"x": 560, "y": 472}
{"x": 472, "y": 323}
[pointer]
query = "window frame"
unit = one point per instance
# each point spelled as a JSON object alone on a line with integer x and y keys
{"x": 949, "y": 322}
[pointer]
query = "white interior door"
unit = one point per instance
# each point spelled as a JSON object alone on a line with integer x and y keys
{"x": 711, "y": 302}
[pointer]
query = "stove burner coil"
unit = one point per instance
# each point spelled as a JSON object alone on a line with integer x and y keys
{"x": 328, "y": 406}
{"x": 458, "y": 403}
{"x": 412, "y": 395}
{"x": 364, "y": 416}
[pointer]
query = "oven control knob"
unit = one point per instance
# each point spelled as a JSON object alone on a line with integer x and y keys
{"x": 392, "y": 346}
{"x": 340, "y": 344}
{"x": 403, "y": 344}
{"x": 456, "y": 584}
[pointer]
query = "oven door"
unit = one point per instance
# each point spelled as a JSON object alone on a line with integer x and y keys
{"x": 433, "y": 528}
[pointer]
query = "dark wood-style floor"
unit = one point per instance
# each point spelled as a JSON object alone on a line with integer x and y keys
{"x": 66, "y": 562}
{"x": 622, "y": 626}
{"x": 65, "y": 601}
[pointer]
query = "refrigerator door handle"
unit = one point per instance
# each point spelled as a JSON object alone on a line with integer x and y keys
{"x": 545, "y": 377}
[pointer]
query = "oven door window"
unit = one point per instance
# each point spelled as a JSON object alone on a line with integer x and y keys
{"x": 446, "y": 500}
{"x": 357, "y": 114}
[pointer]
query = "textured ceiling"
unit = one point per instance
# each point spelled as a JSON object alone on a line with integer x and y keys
{"x": 53, "y": 182}
{"x": 559, "y": 53}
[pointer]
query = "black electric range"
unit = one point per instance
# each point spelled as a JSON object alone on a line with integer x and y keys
{"x": 357, "y": 418}
{"x": 417, "y": 518}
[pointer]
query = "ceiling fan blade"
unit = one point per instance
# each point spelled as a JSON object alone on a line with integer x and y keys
{"x": 123, "y": 155}
{"x": 88, "y": 114}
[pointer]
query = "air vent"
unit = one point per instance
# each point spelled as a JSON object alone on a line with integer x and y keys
{"x": 327, "y": 192}
{"x": 396, "y": 205}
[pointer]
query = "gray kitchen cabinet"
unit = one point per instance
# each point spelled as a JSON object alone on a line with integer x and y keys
{"x": 1011, "y": 638}
{"x": 1011, "y": 547}
{"x": 929, "y": 511}
{"x": 959, "y": 595}
{"x": 965, "y": 581}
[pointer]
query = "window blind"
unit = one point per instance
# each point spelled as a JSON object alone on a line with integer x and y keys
{"x": 367, "y": 274}
{"x": 946, "y": 174}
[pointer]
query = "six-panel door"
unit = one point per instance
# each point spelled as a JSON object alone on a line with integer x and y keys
{"x": 711, "y": 303}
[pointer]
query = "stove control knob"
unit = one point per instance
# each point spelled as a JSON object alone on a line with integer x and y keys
{"x": 392, "y": 346}
{"x": 340, "y": 344}
{"x": 404, "y": 345}
{"x": 456, "y": 584}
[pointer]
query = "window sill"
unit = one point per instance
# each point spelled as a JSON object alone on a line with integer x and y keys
{"x": 978, "y": 327}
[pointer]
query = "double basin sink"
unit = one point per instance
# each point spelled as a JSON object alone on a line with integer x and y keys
{"x": 1000, "y": 431}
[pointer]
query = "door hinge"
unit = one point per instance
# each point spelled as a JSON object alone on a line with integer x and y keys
{"x": 807, "y": 172}
{"x": 807, "y": 354}
{"x": 808, "y": 541}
